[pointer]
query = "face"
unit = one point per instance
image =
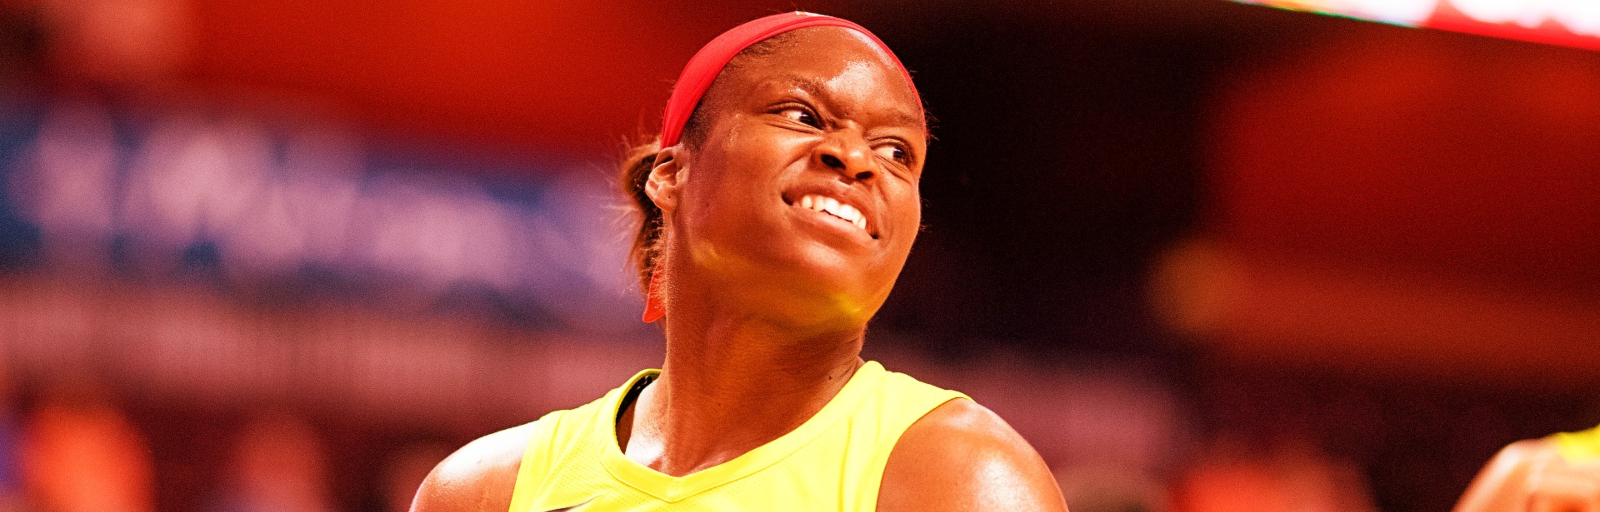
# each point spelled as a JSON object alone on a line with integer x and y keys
{"x": 802, "y": 195}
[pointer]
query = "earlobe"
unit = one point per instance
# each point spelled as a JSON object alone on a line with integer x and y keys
{"x": 665, "y": 178}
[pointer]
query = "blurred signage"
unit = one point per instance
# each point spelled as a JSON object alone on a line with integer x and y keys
{"x": 256, "y": 204}
{"x": 1564, "y": 22}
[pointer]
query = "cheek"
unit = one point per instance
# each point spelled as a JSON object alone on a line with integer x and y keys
{"x": 909, "y": 200}
{"x": 907, "y": 204}
{"x": 713, "y": 206}
{"x": 729, "y": 190}
{"x": 752, "y": 158}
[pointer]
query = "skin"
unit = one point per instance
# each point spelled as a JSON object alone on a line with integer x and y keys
{"x": 762, "y": 331}
{"x": 1530, "y": 476}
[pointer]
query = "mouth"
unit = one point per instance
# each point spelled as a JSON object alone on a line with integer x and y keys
{"x": 832, "y": 208}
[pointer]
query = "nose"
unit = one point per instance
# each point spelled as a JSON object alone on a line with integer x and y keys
{"x": 847, "y": 154}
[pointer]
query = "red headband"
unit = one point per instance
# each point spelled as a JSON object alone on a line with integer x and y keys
{"x": 709, "y": 61}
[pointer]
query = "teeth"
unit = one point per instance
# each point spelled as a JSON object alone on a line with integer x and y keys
{"x": 833, "y": 207}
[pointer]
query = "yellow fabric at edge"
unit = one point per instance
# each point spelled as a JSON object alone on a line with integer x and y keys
{"x": 1578, "y": 447}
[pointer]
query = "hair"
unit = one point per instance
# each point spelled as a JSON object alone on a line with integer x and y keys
{"x": 638, "y": 160}
{"x": 636, "y": 165}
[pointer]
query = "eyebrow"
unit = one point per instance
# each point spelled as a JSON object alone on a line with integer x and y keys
{"x": 814, "y": 87}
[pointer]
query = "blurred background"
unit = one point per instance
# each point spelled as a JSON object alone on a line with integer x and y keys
{"x": 284, "y": 255}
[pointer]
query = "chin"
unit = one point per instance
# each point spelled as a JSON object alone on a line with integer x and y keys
{"x": 813, "y": 284}
{"x": 804, "y": 298}
{"x": 838, "y": 301}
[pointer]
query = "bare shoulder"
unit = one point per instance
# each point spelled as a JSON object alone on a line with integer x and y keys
{"x": 1504, "y": 483}
{"x": 478, "y": 477}
{"x": 1518, "y": 455}
{"x": 962, "y": 456}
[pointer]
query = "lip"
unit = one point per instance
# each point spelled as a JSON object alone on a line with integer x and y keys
{"x": 845, "y": 194}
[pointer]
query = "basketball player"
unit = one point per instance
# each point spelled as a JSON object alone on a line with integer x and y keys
{"x": 1560, "y": 473}
{"x": 778, "y": 208}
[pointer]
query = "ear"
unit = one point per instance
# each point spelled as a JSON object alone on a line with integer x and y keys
{"x": 667, "y": 178}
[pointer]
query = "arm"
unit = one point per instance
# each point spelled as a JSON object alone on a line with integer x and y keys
{"x": 477, "y": 478}
{"x": 1532, "y": 476}
{"x": 962, "y": 456}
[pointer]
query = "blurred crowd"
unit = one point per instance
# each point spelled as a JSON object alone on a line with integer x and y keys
{"x": 74, "y": 450}
{"x": 71, "y": 448}
{"x": 1121, "y": 434}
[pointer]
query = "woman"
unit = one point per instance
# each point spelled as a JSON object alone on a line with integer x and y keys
{"x": 778, "y": 208}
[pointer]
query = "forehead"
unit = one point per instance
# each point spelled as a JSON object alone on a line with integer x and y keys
{"x": 833, "y": 62}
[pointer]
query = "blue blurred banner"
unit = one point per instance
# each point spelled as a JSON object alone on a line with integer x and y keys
{"x": 264, "y": 204}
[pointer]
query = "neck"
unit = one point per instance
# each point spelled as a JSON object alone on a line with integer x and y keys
{"x": 732, "y": 383}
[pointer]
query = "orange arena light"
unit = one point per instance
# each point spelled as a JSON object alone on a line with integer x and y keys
{"x": 1574, "y": 23}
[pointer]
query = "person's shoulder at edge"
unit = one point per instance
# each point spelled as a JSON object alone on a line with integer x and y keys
{"x": 1506, "y": 482}
{"x": 962, "y": 456}
{"x": 478, "y": 477}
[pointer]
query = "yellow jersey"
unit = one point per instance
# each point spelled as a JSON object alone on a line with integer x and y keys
{"x": 833, "y": 461}
{"x": 1578, "y": 447}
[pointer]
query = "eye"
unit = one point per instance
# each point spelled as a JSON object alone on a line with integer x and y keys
{"x": 893, "y": 153}
{"x": 800, "y": 115}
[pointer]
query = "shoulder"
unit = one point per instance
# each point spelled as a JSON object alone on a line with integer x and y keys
{"x": 1504, "y": 483}
{"x": 1522, "y": 452}
{"x": 477, "y": 477}
{"x": 1515, "y": 461}
{"x": 962, "y": 456}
